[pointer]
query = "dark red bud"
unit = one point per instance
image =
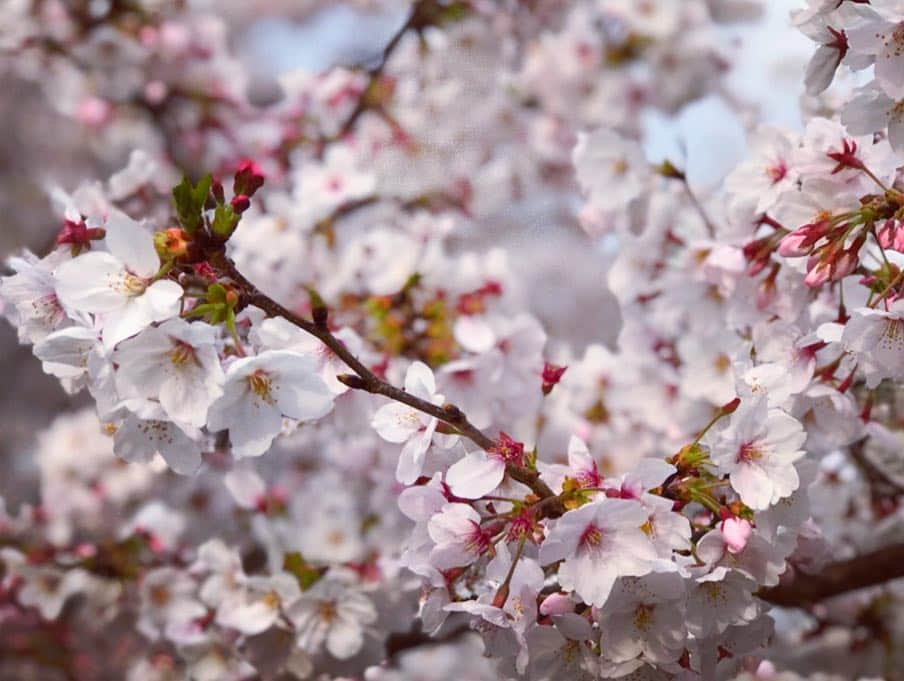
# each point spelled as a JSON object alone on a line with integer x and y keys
{"x": 730, "y": 407}
{"x": 552, "y": 374}
{"x": 248, "y": 179}
{"x": 240, "y": 203}
{"x": 217, "y": 188}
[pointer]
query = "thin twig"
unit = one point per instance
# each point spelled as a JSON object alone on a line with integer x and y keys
{"x": 374, "y": 74}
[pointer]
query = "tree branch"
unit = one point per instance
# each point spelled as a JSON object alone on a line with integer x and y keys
{"x": 368, "y": 381}
{"x": 400, "y": 643}
{"x": 374, "y": 74}
{"x": 800, "y": 589}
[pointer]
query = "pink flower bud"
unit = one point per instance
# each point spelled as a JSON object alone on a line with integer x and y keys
{"x": 891, "y": 235}
{"x": 818, "y": 274}
{"x": 556, "y": 604}
{"x": 735, "y": 533}
{"x": 155, "y": 92}
{"x": 801, "y": 241}
{"x": 94, "y": 112}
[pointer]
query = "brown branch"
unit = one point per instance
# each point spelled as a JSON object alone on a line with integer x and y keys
{"x": 400, "y": 643}
{"x": 799, "y": 589}
{"x": 367, "y": 380}
{"x": 879, "y": 481}
{"x": 374, "y": 74}
{"x": 423, "y": 13}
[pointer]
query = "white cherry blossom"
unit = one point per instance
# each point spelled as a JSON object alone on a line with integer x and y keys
{"x": 176, "y": 363}
{"x": 261, "y": 390}
{"x": 119, "y": 284}
{"x": 396, "y": 422}
{"x": 758, "y": 450}
{"x": 599, "y": 542}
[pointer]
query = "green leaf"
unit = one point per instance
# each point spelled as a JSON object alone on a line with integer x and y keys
{"x": 225, "y": 220}
{"x": 189, "y": 201}
{"x": 219, "y": 307}
{"x": 306, "y": 575}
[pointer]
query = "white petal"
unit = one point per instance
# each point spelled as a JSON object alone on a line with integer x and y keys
{"x": 245, "y": 486}
{"x": 344, "y": 639}
{"x": 132, "y": 244}
{"x": 304, "y": 396}
{"x": 474, "y": 334}
{"x": 419, "y": 381}
{"x": 753, "y": 485}
{"x": 475, "y": 475}
{"x": 125, "y": 323}
{"x": 252, "y": 431}
{"x": 90, "y": 283}
{"x": 162, "y": 298}
{"x": 396, "y": 422}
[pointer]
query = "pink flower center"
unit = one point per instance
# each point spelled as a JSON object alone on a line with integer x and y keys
{"x": 777, "y": 172}
{"x": 591, "y": 538}
{"x": 478, "y": 541}
{"x": 749, "y": 452}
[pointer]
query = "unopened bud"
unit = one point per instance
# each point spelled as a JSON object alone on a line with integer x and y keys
{"x": 668, "y": 169}
{"x": 232, "y": 297}
{"x": 452, "y": 412}
{"x": 501, "y": 596}
{"x": 216, "y": 188}
{"x": 556, "y": 604}
{"x": 731, "y": 407}
{"x": 248, "y": 179}
{"x": 352, "y": 381}
{"x": 319, "y": 311}
{"x": 172, "y": 243}
{"x": 320, "y": 316}
{"x": 240, "y": 203}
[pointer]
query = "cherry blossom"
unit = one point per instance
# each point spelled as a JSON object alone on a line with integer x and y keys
{"x": 400, "y": 423}
{"x": 598, "y": 543}
{"x": 261, "y": 390}
{"x": 175, "y": 363}
{"x": 119, "y": 283}
{"x": 481, "y": 355}
{"x": 758, "y": 450}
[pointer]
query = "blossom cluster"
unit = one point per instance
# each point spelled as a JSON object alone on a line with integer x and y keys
{"x": 336, "y": 435}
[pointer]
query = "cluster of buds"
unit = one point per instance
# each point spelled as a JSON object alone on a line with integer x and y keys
{"x": 833, "y": 242}
{"x": 891, "y": 235}
{"x": 193, "y": 200}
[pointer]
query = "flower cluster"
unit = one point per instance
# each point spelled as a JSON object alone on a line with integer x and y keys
{"x": 337, "y": 431}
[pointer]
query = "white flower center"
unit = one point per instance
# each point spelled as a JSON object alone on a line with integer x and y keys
{"x": 128, "y": 284}
{"x": 182, "y": 354}
{"x": 643, "y": 616}
{"x": 261, "y": 384}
